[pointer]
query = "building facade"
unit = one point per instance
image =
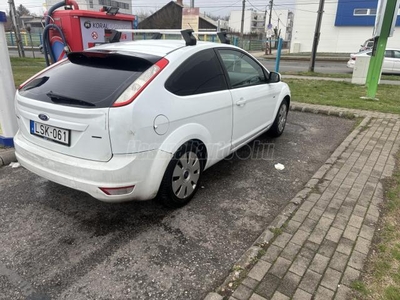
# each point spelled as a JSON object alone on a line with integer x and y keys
{"x": 345, "y": 26}
{"x": 125, "y": 6}
{"x": 257, "y": 22}
{"x": 254, "y": 22}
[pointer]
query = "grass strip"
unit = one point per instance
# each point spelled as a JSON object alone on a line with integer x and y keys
{"x": 335, "y": 75}
{"x": 381, "y": 279}
{"x": 344, "y": 94}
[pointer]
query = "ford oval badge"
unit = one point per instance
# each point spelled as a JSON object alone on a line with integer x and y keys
{"x": 43, "y": 117}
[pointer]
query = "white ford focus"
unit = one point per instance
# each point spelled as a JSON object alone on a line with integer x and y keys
{"x": 130, "y": 121}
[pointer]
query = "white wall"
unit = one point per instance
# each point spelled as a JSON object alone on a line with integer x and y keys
{"x": 340, "y": 39}
{"x": 235, "y": 21}
{"x": 283, "y": 20}
{"x": 236, "y": 16}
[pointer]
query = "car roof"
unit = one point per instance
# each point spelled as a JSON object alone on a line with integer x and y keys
{"x": 370, "y": 50}
{"x": 156, "y": 47}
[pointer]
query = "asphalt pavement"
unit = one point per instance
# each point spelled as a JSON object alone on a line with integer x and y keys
{"x": 58, "y": 243}
{"x": 62, "y": 244}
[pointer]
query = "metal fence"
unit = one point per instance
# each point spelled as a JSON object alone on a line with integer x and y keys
{"x": 36, "y": 39}
{"x": 248, "y": 44}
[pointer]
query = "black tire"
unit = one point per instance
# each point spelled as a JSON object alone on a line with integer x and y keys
{"x": 279, "y": 124}
{"x": 181, "y": 182}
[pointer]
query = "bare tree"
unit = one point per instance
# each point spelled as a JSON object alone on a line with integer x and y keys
{"x": 217, "y": 17}
{"x": 143, "y": 15}
{"x": 23, "y": 11}
{"x": 8, "y": 26}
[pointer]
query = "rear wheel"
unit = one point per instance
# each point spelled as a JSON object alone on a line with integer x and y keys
{"x": 182, "y": 177}
{"x": 280, "y": 120}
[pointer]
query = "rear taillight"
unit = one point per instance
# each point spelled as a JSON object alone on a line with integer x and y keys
{"x": 140, "y": 84}
{"x": 41, "y": 72}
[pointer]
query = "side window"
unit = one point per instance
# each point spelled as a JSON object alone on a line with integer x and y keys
{"x": 201, "y": 73}
{"x": 396, "y": 54}
{"x": 242, "y": 69}
{"x": 389, "y": 53}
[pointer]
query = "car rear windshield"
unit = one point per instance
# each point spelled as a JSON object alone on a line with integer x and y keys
{"x": 90, "y": 80}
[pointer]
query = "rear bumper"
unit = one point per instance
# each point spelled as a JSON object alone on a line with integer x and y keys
{"x": 144, "y": 170}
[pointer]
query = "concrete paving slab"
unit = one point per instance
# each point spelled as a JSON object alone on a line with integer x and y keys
{"x": 342, "y": 219}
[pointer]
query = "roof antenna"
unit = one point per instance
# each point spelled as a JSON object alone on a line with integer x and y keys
{"x": 188, "y": 37}
{"x": 222, "y": 35}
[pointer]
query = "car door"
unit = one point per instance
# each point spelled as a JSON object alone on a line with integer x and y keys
{"x": 388, "y": 62}
{"x": 201, "y": 103}
{"x": 396, "y": 61}
{"x": 254, "y": 99}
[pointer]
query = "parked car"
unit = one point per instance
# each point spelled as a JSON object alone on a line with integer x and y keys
{"x": 129, "y": 121}
{"x": 391, "y": 62}
{"x": 367, "y": 45}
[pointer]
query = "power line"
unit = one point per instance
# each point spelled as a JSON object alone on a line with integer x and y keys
{"x": 254, "y": 6}
{"x": 279, "y": 20}
{"x": 226, "y": 6}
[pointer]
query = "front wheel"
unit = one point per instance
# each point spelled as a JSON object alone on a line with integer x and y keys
{"x": 182, "y": 177}
{"x": 280, "y": 120}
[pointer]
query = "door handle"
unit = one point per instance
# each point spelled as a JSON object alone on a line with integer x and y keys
{"x": 241, "y": 102}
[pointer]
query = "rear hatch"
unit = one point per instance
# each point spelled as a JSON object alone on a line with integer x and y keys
{"x": 66, "y": 108}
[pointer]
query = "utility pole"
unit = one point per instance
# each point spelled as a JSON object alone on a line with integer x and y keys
{"x": 265, "y": 24}
{"x": 271, "y": 5}
{"x": 191, "y": 3}
{"x": 317, "y": 33}
{"x": 17, "y": 32}
{"x": 242, "y": 23}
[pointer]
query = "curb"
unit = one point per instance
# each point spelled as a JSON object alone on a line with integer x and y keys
{"x": 7, "y": 156}
{"x": 251, "y": 256}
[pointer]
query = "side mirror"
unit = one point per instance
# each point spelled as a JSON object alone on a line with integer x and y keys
{"x": 274, "y": 77}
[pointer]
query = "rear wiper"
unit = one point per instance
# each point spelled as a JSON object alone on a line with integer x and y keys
{"x": 56, "y": 98}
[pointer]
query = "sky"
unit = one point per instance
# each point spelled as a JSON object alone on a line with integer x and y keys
{"x": 219, "y": 7}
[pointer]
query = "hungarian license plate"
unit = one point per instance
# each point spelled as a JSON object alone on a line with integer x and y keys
{"x": 55, "y": 134}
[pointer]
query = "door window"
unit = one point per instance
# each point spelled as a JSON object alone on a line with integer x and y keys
{"x": 201, "y": 73}
{"x": 242, "y": 69}
{"x": 396, "y": 54}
